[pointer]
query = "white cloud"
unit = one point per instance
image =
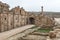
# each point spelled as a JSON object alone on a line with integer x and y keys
{"x": 34, "y": 5}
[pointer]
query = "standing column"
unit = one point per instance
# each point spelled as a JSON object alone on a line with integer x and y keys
{"x": 0, "y": 21}
{"x": 13, "y": 20}
{"x": 41, "y": 10}
{"x": 25, "y": 18}
{"x": 28, "y": 19}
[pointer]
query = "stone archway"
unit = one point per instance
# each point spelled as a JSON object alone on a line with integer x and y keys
{"x": 31, "y": 20}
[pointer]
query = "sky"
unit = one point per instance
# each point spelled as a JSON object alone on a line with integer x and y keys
{"x": 35, "y": 5}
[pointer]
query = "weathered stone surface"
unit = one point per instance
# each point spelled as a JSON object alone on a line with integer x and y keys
{"x": 10, "y": 19}
{"x": 34, "y": 37}
{"x": 15, "y": 32}
{"x": 52, "y": 34}
{"x": 17, "y": 17}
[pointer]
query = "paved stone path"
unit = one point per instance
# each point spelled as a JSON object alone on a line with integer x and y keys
{"x": 21, "y": 36}
{"x": 10, "y": 33}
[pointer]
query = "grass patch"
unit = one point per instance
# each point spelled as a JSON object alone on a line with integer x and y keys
{"x": 44, "y": 30}
{"x": 33, "y": 27}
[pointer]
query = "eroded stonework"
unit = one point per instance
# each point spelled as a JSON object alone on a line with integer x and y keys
{"x": 17, "y": 17}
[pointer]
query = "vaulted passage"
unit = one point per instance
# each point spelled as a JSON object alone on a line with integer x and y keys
{"x": 31, "y": 20}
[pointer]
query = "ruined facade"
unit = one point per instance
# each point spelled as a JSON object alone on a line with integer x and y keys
{"x": 17, "y": 17}
{"x": 41, "y": 19}
{"x": 13, "y": 18}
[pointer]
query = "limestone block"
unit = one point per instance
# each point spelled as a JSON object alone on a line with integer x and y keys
{"x": 52, "y": 34}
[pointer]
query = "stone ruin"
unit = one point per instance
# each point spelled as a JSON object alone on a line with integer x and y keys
{"x": 17, "y": 17}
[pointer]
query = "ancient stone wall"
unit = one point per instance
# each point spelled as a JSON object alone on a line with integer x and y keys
{"x": 17, "y": 17}
{"x": 42, "y": 20}
{"x": 10, "y": 19}
{"x": 4, "y": 9}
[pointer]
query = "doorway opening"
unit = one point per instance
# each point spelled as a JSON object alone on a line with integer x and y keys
{"x": 31, "y": 20}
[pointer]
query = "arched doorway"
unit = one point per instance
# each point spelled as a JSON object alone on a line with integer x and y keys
{"x": 31, "y": 20}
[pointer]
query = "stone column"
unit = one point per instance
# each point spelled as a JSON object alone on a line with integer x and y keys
{"x": 13, "y": 19}
{"x": 42, "y": 9}
{"x": 0, "y": 22}
{"x": 25, "y": 18}
{"x": 7, "y": 21}
{"x": 0, "y": 18}
{"x": 28, "y": 18}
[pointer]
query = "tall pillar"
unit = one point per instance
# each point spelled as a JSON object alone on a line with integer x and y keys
{"x": 13, "y": 20}
{"x": 7, "y": 22}
{"x": 0, "y": 22}
{"x": 41, "y": 9}
{"x": 28, "y": 19}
